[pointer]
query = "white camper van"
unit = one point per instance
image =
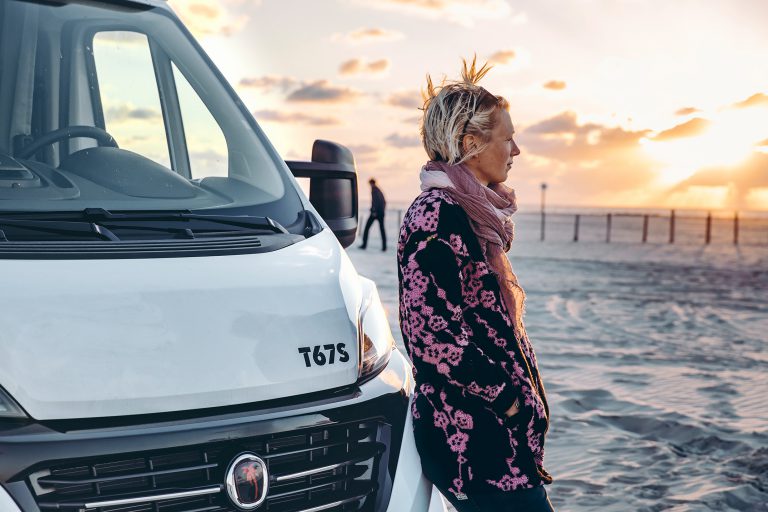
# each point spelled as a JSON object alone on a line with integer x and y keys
{"x": 180, "y": 327}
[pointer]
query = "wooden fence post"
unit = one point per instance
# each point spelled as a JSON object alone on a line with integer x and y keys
{"x": 608, "y": 228}
{"x": 543, "y": 209}
{"x": 735, "y": 228}
{"x": 672, "y": 227}
{"x": 645, "y": 228}
{"x": 708, "y": 230}
{"x": 576, "y": 228}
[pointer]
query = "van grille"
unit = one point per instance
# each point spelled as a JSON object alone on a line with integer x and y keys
{"x": 140, "y": 248}
{"x": 334, "y": 468}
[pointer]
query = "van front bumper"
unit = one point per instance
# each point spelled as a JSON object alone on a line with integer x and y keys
{"x": 349, "y": 449}
{"x": 412, "y": 492}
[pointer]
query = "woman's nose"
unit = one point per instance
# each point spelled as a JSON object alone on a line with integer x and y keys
{"x": 515, "y": 149}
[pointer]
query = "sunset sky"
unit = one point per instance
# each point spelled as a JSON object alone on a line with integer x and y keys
{"x": 616, "y": 103}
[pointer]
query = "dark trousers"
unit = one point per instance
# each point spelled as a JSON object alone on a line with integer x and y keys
{"x": 524, "y": 500}
{"x": 375, "y": 216}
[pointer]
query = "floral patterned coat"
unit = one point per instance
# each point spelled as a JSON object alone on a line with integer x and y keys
{"x": 468, "y": 366}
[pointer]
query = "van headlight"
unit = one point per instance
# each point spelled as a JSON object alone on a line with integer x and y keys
{"x": 9, "y": 408}
{"x": 376, "y": 341}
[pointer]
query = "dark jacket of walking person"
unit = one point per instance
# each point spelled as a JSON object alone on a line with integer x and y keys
{"x": 480, "y": 411}
{"x": 378, "y": 206}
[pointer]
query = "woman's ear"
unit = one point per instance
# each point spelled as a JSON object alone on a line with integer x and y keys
{"x": 468, "y": 143}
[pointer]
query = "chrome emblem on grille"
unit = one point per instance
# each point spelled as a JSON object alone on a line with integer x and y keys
{"x": 247, "y": 481}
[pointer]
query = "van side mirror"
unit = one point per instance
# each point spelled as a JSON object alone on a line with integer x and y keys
{"x": 332, "y": 187}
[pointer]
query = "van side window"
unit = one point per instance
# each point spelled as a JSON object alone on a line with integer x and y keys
{"x": 129, "y": 98}
{"x": 206, "y": 143}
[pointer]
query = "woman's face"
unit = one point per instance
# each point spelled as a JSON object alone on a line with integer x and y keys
{"x": 492, "y": 165}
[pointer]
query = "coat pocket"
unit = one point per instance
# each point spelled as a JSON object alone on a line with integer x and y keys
{"x": 520, "y": 420}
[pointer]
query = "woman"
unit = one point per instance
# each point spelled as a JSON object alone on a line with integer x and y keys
{"x": 480, "y": 411}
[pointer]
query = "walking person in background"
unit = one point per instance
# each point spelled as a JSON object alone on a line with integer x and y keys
{"x": 480, "y": 412}
{"x": 378, "y": 205}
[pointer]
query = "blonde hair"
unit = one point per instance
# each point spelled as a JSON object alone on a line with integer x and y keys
{"x": 456, "y": 108}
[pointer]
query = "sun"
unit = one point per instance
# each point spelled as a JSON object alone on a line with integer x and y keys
{"x": 729, "y": 140}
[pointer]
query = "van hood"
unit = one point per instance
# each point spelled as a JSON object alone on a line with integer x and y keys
{"x": 98, "y": 338}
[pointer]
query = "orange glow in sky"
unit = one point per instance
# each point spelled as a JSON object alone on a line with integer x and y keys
{"x": 728, "y": 141}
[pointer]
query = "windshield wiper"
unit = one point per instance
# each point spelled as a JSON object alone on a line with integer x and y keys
{"x": 244, "y": 221}
{"x": 58, "y": 227}
{"x": 99, "y": 222}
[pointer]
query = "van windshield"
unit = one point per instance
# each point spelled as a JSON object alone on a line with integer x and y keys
{"x": 114, "y": 107}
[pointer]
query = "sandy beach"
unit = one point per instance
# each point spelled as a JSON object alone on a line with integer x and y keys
{"x": 655, "y": 362}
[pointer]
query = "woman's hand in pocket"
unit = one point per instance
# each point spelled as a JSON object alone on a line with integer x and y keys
{"x": 514, "y": 409}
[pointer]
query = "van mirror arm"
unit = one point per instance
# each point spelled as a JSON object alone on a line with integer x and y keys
{"x": 332, "y": 187}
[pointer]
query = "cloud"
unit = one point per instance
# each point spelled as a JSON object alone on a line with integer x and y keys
{"x": 502, "y": 57}
{"x": 562, "y": 137}
{"x": 756, "y": 100}
{"x": 127, "y": 112}
{"x": 462, "y": 12}
{"x": 587, "y": 159}
{"x": 322, "y": 91}
{"x": 350, "y": 67}
{"x": 555, "y": 85}
{"x": 378, "y": 66}
{"x": 318, "y": 91}
{"x": 565, "y": 122}
{"x": 366, "y": 155}
{"x": 277, "y": 116}
{"x": 358, "y": 66}
{"x": 211, "y": 17}
{"x": 686, "y": 111}
{"x": 362, "y": 149}
{"x": 270, "y": 82}
{"x": 762, "y": 144}
{"x": 690, "y": 128}
{"x": 405, "y": 99}
{"x": 403, "y": 141}
{"x": 365, "y": 35}
{"x": 739, "y": 179}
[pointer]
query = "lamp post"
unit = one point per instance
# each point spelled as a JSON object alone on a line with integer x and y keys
{"x": 543, "y": 211}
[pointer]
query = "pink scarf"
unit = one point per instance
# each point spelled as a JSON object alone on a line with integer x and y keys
{"x": 489, "y": 210}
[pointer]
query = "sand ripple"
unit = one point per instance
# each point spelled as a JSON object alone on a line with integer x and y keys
{"x": 659, "y": 383}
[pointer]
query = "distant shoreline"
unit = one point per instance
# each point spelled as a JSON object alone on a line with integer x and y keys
{"x": 530, "y": 208}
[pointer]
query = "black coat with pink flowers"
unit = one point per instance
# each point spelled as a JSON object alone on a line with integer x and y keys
{"x": 469, "y": 367}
